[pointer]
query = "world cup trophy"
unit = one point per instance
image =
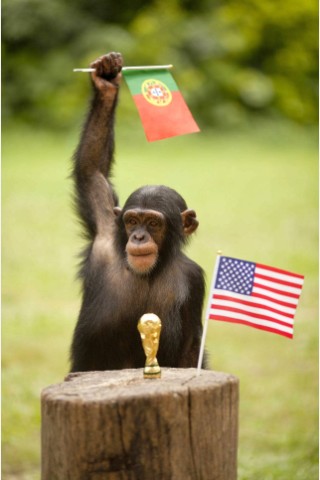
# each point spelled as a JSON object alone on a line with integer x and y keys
{"x": 149, "y": 327}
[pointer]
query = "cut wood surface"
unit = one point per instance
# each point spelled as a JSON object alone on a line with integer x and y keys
{"x": 115, "y": 425}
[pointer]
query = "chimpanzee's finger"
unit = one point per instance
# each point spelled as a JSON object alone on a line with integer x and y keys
{"x": 112, "y": 64}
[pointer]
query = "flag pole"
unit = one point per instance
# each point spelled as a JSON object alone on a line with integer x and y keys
{"x": 128, "y": 69}
{"x": 206, "y": 321}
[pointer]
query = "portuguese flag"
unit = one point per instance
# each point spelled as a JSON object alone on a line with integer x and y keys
{"x": 161, "y": 107}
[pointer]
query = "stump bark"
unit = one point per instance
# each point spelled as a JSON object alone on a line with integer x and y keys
{"x": 114, "y": 425}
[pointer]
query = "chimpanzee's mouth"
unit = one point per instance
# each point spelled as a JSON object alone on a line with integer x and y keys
{"x": 141, "y": 251}
{"x": 142, "y": 254}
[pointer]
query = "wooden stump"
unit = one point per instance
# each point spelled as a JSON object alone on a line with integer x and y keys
{"x": 114, "y": 425}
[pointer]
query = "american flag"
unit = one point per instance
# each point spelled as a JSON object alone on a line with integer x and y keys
{"x": 253, "y": 294}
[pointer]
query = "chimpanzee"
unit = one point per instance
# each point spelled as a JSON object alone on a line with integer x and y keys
{"x": 133, "y": 263}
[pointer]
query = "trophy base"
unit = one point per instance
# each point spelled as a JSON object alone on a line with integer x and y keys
{"x": 152, "y": 371}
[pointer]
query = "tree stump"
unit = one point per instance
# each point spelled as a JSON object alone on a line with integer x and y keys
{"x": 115, "y": 425}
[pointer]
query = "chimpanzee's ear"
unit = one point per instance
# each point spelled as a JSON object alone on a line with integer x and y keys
{"x": 189, "y": 221}
{"x": 117, "y": 211}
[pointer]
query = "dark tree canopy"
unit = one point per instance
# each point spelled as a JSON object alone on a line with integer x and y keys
{"x": 232, "y": 59}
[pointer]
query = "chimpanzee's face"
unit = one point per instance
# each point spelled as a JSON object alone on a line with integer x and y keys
{"x": 146, "y": 231}
{"x": 153, "y": 225}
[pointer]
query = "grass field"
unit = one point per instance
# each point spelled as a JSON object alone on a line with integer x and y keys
{"x": 255, "y": 194}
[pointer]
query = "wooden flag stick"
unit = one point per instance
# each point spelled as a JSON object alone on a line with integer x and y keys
{"x": 84, "y": 69}
{"x": 206, "y": 321}
{"x": 127, "y": 69}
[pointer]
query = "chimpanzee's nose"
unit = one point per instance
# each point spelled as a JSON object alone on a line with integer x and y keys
{"x": 139, "y": 237}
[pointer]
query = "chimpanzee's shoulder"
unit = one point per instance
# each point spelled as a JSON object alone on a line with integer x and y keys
{"x": 192, "y": 269}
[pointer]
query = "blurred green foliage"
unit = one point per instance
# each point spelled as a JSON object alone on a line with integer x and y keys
{"x": 232, "y": 59}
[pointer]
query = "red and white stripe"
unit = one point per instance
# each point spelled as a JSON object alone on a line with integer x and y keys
{"x": 271, "y": 305}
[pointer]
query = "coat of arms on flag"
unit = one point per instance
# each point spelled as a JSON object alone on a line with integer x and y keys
{"x": 156, "y": 92}
{"x": 161, "y": 107}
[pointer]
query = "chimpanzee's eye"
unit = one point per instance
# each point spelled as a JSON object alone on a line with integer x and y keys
{"x": 132, "y": 221}
{"x": 153, "y": 223}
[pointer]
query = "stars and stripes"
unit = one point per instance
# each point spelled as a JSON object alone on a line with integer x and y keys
{"x": 253, "y": 294}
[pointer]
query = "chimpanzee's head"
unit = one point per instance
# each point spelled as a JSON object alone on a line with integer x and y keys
{"x": 152, "y": 227}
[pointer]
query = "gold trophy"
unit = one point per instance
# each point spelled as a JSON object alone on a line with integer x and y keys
{"x": 149, "y": 327}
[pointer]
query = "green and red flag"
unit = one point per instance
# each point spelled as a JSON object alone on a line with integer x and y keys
{"x": 161, "y": 107}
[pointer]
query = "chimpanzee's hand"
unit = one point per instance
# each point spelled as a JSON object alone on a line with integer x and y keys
{"x": 107, "y": 75}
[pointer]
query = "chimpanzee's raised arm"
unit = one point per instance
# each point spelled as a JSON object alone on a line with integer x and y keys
{"x": 95, "y": 197}
{"x": 134, "y": 262}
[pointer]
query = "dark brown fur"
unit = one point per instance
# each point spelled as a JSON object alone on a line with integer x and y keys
{"x": 115, "y": 296}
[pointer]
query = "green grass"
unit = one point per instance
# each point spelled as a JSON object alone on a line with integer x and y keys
{"x": 255, "y": 194}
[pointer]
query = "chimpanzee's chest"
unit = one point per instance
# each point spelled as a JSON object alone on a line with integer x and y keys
{"x": 115, "y": 299}
{"x": 133, "y": 295}
{"x": 166, "y": 304}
